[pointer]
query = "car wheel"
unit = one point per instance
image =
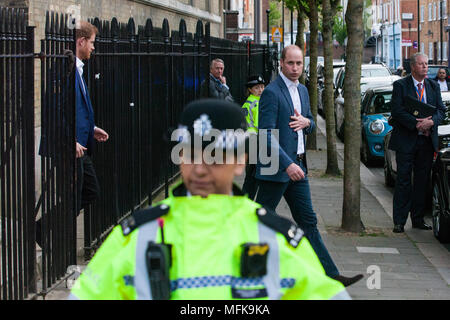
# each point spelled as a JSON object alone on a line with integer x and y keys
{"x": 365, "y": 153}
{"x": 441, "y": 223}
{"x": 388, "y": 178}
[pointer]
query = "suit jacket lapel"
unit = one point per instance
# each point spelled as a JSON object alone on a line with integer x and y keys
{"x": 287, "y": 95}
{"x": 86, "y": 98}
{"x": 302, "y": 101}
{"x": 412, "y": 88}
{"x": 429, "y": 92}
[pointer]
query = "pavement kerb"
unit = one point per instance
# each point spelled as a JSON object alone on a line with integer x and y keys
{"x": 385, "y": 200}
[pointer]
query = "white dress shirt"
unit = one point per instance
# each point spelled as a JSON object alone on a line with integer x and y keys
{"x": 295, "y": 97}
{"x": 80, "y": 66}
{"x": 443, "y": 85}
{"x": 423, "y": 86}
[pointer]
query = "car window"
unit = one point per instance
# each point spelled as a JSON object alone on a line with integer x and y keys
{"x": 379, "y": 72}
{"x": 380, "y": 103}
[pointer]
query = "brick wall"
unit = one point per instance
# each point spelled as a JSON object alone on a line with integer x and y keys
{"x": 409, "y": 27}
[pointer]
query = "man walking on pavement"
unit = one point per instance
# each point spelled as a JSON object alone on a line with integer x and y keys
{"x": 88, "y": 188}
{"x": 216, "y": 86}
{"x": 414, "y": 140}
{"x": 284, "y": 106}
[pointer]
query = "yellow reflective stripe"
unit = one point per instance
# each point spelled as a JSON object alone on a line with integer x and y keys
{"x": 272, "y": 278}
{"x": 146, "y": 234}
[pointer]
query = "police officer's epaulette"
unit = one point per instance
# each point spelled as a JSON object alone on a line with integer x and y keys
{"x": 141, "y": 217}
{"x": 288, "y": 229}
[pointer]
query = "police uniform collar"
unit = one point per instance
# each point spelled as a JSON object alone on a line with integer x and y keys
{"x": 181, "y": 191}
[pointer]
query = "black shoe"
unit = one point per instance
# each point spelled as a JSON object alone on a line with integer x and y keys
{"x": 348, "y": 281}
{"x": 398, "y": 228}
{"x": 421, "y": 226}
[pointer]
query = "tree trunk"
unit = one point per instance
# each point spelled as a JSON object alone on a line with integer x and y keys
{"x": 328, "y": 13}
{"x": 351, "y": 220}
{"x": 311, "y": 143}
{"x": 300, "y": 41}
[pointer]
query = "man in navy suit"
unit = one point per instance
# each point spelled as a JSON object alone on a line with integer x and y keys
{"x": 414, "y": 141}
{"x": 284, "y": 106}
{"x": 87, "y": 184}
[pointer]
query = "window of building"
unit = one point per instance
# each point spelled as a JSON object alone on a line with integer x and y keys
{"x": 444, "y": 51}
{"x": 444, "y": 9}
{"x": 430, "y": 51}
{"x": 430, "y": 11}
{"x": 422, "y": 47}
{"x": 207, "y": 6}
{"x": 422, "y": 13}
{"x": 439, "y": 11}
{"x": 434, "y": 11}
{"x": 439, "y": 51}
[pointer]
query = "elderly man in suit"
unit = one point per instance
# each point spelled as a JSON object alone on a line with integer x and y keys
{"x": 414, "y": 140}
{"x": 216, "y": 86}
{"x": 87, "y": 184}
{"x": 284, "y": 106}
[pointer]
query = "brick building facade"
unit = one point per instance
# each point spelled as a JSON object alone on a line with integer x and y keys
{"x": 433, "y": 38}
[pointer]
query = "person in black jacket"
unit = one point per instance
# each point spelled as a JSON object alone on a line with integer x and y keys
{"x": 442, "y": 80}
{"x": 216, "y": 86}
{"x": 414, "y": 141}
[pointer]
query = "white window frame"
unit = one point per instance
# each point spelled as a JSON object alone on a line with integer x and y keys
{"x": 422, "y": 13}
{"x": 422, "y": 47}
{"x": 434, "y": 11}
{"x": 439, "y": 10}
{"x": 430, "y": 11}
{"x": 444, "y": 9}
{"x": 445, "y": 51}
{"x": 439, "y": 51}
{"x": 430, "y": 51}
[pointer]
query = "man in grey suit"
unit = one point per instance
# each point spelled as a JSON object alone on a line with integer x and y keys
{"x": 284, "y": 106}
{"x": 216, "y": 86}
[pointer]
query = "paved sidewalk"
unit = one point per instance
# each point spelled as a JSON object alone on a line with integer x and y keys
{"x": 405, "y": 272}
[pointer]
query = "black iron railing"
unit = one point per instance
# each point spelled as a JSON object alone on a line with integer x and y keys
{"x": 140, "y": 78}
{"x": 17, "y": 199}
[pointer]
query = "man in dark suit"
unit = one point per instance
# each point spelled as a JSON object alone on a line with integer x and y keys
{"x": 87, "y": 184}
{"x": 414, "y": 141}
{"x": 216, "y": 85}
{"x": 284, "y": 108}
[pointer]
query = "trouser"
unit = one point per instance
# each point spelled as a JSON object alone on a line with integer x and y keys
{"x": 88, "y": 189}
{"x": 298, "y": 197}
{"x": 250, "y": 185}
{"x": 411, "y": 197}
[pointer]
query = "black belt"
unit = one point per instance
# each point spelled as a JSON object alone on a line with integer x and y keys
{"x": 301, "y": 157}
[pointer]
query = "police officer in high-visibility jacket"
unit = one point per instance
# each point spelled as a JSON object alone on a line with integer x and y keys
{"x": 255, "y": 87}
{"x": 207, "y": 240}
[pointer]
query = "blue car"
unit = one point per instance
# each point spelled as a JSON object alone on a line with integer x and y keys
{"x": 375, "y": 111}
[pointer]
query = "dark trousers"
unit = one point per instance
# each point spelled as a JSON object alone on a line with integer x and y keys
{"x": 250, "y": 183}
{"x": 298, "y": 196}
{"x": 411, "y": 197}
{"x": 88, "y": 188}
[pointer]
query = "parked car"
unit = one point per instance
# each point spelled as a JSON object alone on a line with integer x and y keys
{"x": 372, "y": 75}
{"x": 337, "y": 65}
{"x": 375, "y": 111}
{"x": 440, "y": 200}
{"x": 433, "y": 70}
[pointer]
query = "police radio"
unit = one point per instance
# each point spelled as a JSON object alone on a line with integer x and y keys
{"x": 159, "y": 260}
